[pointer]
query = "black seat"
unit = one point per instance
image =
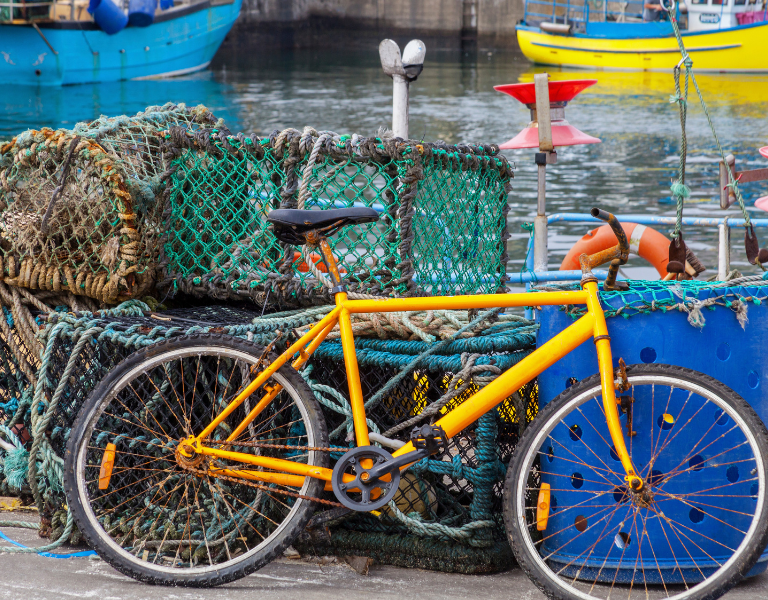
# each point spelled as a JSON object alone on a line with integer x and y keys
{"x": 290, "y": 225}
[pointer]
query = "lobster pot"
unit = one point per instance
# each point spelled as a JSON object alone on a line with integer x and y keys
{"x": 720, "y": 331}
{"x": 68, "y": 222}
{"x": 80, "y": 211}
{"x": 442, "y": 227}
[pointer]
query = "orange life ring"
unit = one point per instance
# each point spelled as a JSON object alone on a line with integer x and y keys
{"x": 643, "y": 241}
{"x": 314, "y": 257}
{"x": 302, "y": 266}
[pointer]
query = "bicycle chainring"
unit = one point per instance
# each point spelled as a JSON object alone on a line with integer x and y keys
{"x": 352, "y": 483}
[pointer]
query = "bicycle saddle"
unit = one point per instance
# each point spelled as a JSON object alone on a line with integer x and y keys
{"x": 290, "y": 225}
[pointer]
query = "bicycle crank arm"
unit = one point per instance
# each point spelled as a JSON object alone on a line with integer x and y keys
{"x": 397, "y": 463}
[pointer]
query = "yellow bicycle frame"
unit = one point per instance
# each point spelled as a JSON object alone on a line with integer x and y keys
{"x": 289, "y": 473}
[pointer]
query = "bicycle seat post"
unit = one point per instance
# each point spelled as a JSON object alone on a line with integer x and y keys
{"x": 315, "y": 238}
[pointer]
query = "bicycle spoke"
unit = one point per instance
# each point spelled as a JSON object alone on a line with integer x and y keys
{"x": 605, "y": 540}
{"x": 167, "y": 511}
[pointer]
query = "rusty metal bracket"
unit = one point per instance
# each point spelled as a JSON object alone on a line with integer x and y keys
{"x": 625, "y": 403}
{"x": 624, "y": 385}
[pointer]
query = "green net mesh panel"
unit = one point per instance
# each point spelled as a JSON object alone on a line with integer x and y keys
{"x": 136, "y": 141}
{"x": 458, "y": 224}
{"x": 442, "y": 227}
{"x": 80, "y": 211}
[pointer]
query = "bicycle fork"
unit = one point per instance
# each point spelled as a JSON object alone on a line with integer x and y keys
{"x": 607, "y": 380}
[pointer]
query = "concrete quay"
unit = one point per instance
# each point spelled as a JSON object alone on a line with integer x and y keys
{"x": 33, "y": 577}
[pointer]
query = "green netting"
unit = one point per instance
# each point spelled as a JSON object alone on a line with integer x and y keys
{"x": 453, "y": 498}
{"x": 443, "y": 224}
{"x": 136, "y": 141}
{"x": 644, "y": 297}
{"x": 80, "y": 210}
{"x": 459, "y": 226}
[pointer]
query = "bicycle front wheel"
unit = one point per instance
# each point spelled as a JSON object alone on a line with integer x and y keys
{"x": 161, "y": 518}
{"x": 697, "y": 528}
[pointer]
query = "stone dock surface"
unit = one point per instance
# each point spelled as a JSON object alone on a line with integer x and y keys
{"x": 33, "y": 577}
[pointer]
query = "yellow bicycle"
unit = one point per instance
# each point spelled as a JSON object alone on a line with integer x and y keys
{"x": 201, "y": 458}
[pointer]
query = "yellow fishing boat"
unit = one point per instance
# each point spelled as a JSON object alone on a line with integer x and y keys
{"x": 720, "y": 35}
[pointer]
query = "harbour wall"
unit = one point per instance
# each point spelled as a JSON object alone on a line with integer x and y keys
{"x": 444, "y": 23}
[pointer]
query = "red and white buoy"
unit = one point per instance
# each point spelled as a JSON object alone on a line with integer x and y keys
{"x": 560, "y": 94}
{"x": 547, "y": 130}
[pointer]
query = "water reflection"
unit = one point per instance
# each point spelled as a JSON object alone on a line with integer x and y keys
{"x": 453, "y": 100}
{"x": 24, "y": 107}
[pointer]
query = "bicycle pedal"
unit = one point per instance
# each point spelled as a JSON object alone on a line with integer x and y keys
{"x": 431, "y": 438}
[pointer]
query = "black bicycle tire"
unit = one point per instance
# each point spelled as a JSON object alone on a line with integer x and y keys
{"x": 240, "y": 568}
{"x": 725, "y": 581}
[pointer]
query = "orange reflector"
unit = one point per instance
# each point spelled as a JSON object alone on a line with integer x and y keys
{"x": 542, "y": 507}
{"x": 107, "y": 463}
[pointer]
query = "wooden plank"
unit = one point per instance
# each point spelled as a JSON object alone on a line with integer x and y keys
{"x": 541, "y": 84}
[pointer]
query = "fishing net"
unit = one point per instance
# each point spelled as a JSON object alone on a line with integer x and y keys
{"x": 67, "y": 221}
{"x": 447, "y": 512}
{"x": 690, "y": 297}
{"x": 455, "y": 497}
{"x": 442, "y": 228}
{"x": 17, "y": 371}
{"x": 136, "y": 142}
{"x": 78, "y": 210}
{"x": 87, "y": 216}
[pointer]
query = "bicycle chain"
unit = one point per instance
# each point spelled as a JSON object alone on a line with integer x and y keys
{"x": 281, "y": 446}
{"x": 259, "y": 486}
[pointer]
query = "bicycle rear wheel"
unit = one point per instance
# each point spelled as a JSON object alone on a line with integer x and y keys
{"x": 579, "y": 532}
{"x": 161, "y": 519}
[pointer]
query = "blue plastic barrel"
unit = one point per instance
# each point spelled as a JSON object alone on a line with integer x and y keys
{"x": 141, "y": 13}
{"x": 108, "y": 16}
{"x": 722, "y": 348}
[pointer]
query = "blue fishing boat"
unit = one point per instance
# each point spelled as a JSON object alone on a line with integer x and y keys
{"x": 65, "y": 42}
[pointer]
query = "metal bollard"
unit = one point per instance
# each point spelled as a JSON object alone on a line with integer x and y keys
{"x": 723, "y": 250}
{"x": 402, "y": 70}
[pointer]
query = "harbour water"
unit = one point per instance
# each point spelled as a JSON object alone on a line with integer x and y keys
{"x": 454, "y": 100}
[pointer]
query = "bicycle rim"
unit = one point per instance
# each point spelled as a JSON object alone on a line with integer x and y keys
{"x": 156, "y": 517}
{"x": 696, "y": 531}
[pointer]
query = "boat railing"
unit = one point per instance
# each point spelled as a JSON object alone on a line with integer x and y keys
{"x": 24, "y": 12}
{"x": 20, "y": 12}
{"x": 722, "y": 224}
{"x": 577, "y": 13}
{"x": 565, "y": 12}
